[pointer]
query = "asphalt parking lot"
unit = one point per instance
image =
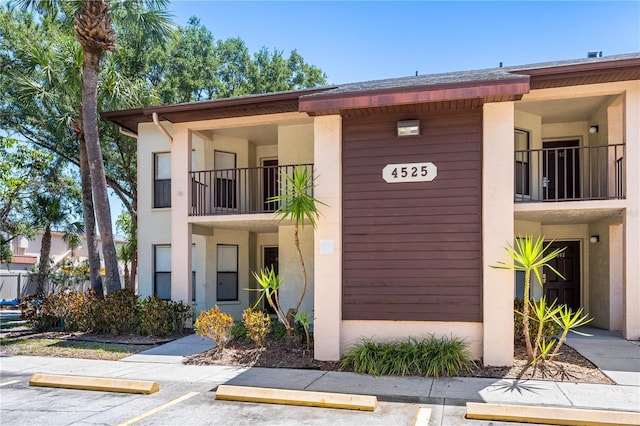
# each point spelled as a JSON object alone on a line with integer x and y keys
{"x": 191, "y": 401}
{"x": 174, "y": 404}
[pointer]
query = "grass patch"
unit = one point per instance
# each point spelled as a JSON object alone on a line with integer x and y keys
{"x": 68, "y": 348}
{"x": 433, "y": 356}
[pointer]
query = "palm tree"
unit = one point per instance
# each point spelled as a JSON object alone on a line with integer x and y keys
{"x": 296, "y": 203}
{"x": 95, "y": 33}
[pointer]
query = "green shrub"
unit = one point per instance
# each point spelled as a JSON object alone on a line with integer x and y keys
{"x": 117, "y": 312}
{"x": 155, "y": 317}
{"x": 78, "y": 310}
{"x": 215, "y": 325}
{"x": 279, "y": 331}
{"x": 238, "y": 332}
{"x": 158, "y": 317}
{"x": 39, "y": 313}
{"x": 180, "y": 313}
{"x": 257, "y": 324}
{"x": 549, "y": 330}
{"x": 433, "y": 356}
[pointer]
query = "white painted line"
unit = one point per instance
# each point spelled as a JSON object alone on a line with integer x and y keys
{"x": 423, "y": 416}
{"x": 10, "y": 382}
{"x": 158, "y": 409}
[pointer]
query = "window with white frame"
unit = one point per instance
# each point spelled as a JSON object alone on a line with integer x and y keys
{"x": 227, "y": 277}
{"x": 162, "y": 180}
{"x": 162, "y": 272}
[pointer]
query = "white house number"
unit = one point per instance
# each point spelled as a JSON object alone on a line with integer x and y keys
{"x": 409, "y": 172}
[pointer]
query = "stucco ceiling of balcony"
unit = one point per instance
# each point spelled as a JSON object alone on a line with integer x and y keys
{"x": 536, "y": 212}
{"x": 564, "y": 110}
{"x": 266, "y": 134}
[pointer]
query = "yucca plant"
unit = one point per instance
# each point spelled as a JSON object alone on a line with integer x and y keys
{"x": 296, "y": 203}
{"x": 269, "y": 283}
{"x": 529, "y": 256}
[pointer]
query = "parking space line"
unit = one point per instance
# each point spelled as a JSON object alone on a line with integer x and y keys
{"x": 10, "y": 382}
{"x": 158, "y": 409}
{"x": 423, "y": 416}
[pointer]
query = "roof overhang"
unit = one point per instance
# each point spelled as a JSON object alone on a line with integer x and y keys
{"x": 271, "y": 103}
{"x": 603, "y": 70}
{"x": 507, "y": 89}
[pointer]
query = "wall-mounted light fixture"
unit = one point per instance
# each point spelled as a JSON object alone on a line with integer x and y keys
{"x": 593, "y": 129}
{"x": 408, "y": 128}
{"x": 594, "y": 239}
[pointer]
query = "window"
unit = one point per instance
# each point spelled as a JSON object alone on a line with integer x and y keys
{"x": 522, "y": 170}
{"x": 162, "y": 272}
{"x": 227, "y": 289}
{"x": 162, "y": 180}
{"x": 193, "y": 273}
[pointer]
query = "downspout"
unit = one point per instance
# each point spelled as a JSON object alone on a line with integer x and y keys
{"x": 127, "y": 133}
{"x": 161, "y": 127}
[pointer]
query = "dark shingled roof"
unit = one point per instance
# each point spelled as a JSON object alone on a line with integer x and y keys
{"x": 491, "y": 74}
{"x": 509, "y": 80}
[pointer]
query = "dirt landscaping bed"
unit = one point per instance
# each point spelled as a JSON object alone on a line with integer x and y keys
{"x": 570, "y": 366}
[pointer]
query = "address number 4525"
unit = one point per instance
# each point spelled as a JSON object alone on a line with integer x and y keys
{"x": 411, "y": 172}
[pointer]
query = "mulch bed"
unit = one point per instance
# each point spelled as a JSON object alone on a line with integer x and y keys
{"x": 569, "y": 366}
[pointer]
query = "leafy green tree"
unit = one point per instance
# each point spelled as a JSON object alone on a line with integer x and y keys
{"x": 56, "y": 205}
{"x": 126, "y": 252}
{"x": 20, "y": 171}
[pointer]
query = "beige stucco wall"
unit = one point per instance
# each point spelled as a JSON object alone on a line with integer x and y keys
{"x": 295, "y": 144}
{"x": 602, "y": 291}
{"x": 354, "y": 332}
{"x": 616, "y": 276}
{"x": 631, "y": 327}
{"x": 328, "y": 238}
{"x": 154, "y": 225}
{"x": 289, "y": 268}
{"x": 497, "y": 230}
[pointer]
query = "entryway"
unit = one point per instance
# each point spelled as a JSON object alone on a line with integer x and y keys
{"x": 561, "y": 170}
{"x": 567, "y": 290}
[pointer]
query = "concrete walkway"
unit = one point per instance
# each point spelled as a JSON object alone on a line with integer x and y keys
{"x": 173, "y": 352}
{"x": 618, "y": 358}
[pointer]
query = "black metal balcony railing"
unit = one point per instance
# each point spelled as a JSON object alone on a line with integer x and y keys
{"x": 239, "y": 191}
{"x": 570, "y": 173}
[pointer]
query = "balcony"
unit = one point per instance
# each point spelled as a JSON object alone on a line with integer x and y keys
{"x": 238, "y": 191}
{"x": 570, "y": 173}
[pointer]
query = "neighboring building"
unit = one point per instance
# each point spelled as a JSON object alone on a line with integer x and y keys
{"x": 26, "y": 252}
{"x": 413, "y": 223}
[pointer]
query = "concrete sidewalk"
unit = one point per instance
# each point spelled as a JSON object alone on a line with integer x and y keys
{"x": 442, "y": 391}
{"x": 618, "y": 358}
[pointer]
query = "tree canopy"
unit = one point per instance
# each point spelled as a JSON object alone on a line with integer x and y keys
{"x": 43, "y": 65}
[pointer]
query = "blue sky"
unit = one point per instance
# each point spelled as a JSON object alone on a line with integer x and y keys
{"x": 363, "y": 40}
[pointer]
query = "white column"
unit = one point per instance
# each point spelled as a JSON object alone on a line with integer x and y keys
{"x": 180, "y": 226}
{"x": 631, "y": 326}
{"x": 328, "y": 238}
{"x": 497, "y": 231}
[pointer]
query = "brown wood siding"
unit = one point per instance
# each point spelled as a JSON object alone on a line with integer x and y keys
{"x": 412, "y": 251}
